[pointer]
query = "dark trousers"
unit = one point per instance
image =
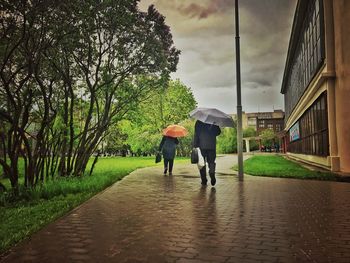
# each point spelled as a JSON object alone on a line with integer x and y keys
{"x": 171, "y": 164}
{"x": 209, "y": 157}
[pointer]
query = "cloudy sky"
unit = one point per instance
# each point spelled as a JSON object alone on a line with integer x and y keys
{"x": 204, "y": 32}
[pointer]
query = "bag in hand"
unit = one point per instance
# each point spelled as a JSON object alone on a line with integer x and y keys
{"x": 201, "y": 161}
{"x": 158, "y": 157}
{"x": 194, "y": 155}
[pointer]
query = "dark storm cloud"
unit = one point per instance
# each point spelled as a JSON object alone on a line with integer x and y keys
{"x": 269, "y": 11}
{"x": 261, "y": 9}
{"x": 203, "y": 11}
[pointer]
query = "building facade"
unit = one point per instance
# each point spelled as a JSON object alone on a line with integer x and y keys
{"x": 260, "y": 121}
{"x": 263, "y": 120}
{"x": 316, "y": 84}
{"x": 275, "y": 124}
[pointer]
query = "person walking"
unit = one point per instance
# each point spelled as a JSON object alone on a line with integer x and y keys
{"x": 168, "y": 147}
{"x": 205, "y": 138}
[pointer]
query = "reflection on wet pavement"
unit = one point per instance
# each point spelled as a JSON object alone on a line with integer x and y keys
{"x": 149, "y": 217}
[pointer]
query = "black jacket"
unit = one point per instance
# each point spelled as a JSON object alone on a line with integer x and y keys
{"x": 205, "y": 135}
{"x": 168, "y": 147}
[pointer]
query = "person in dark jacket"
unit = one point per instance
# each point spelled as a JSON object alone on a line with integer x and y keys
{"x": 168, "y": 148}
{"x": 205, "y": 138}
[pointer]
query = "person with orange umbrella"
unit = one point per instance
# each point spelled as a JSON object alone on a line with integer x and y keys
{"x": 168, "y": 145}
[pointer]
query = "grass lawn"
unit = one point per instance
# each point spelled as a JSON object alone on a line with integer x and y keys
{"x": 277, "y": 166}
{"x": 44, "y": 204}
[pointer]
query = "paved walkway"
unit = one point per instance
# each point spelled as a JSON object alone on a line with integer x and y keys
{"x": 148, "y": 217}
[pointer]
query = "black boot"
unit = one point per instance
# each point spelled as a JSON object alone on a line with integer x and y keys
{"x": 212, "y": 179}
{"x": 203, "y": 173}
{"x": 212, "y": 167}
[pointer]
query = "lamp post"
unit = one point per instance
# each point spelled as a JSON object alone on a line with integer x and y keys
{"x": 239, "y": 101}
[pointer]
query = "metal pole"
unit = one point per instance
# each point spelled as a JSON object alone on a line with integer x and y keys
{"x": 239, "y": 101}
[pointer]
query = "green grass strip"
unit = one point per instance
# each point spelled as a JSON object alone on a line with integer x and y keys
{"x": 278, "y": 166}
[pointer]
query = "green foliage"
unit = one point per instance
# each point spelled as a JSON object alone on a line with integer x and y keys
{"x": 178, "y": 102}
{"x": 140, "y": 138}
{"x": 185, "y": 146}
{"x": 115, "y": 140}
{"x": 277, "y": 166}
{"x": 144, "y": 124}
{"x": 227, "y": 141}
{"x": 249, "y": 132}
{"x": 253, "y": 144}
{"x": 69, "y": 71}
{"x": 268, "y": 137}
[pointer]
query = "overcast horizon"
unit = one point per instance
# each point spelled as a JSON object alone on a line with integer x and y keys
{"x": 204, "y": 32}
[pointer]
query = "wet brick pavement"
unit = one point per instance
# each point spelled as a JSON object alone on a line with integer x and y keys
{"x": 149, "y": 217}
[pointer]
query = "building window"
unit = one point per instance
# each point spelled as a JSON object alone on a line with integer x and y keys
{"x": 261, "y": 123}
{"x": 313, "y": 130}
{"x": 275, "y": 124}
{"x": 252, "y": 122}
{"x": 309, "y": 55}
{"x": 278, "y": 127}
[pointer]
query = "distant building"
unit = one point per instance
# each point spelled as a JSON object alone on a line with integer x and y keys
{"x": 263, "y": 120}
{"x": 260, "y": 121}
{"x": 316, "y": 84}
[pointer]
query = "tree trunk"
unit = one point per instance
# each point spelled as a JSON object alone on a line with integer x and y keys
{"x": 94, "y": 163}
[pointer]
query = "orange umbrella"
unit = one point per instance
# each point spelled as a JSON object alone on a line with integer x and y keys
{"x": 175, "y": 131}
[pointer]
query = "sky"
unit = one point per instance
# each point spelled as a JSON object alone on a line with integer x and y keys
{"x": 204, "y": 32}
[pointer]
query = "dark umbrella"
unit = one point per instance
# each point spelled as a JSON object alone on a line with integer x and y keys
{"x": 212, "y": 116}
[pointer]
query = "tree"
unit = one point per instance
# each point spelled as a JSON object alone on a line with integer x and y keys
{"x": 26, "y": 35}
{"x": 171, "y": 105}
{"x": 69, "y": 70}
{"x": 186, "y": 143}
{"x": 227, "y": 141}
{"x": 268, "y": 137}
{"x": 251, "y": 132}
{"x": 117, "y": 44}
